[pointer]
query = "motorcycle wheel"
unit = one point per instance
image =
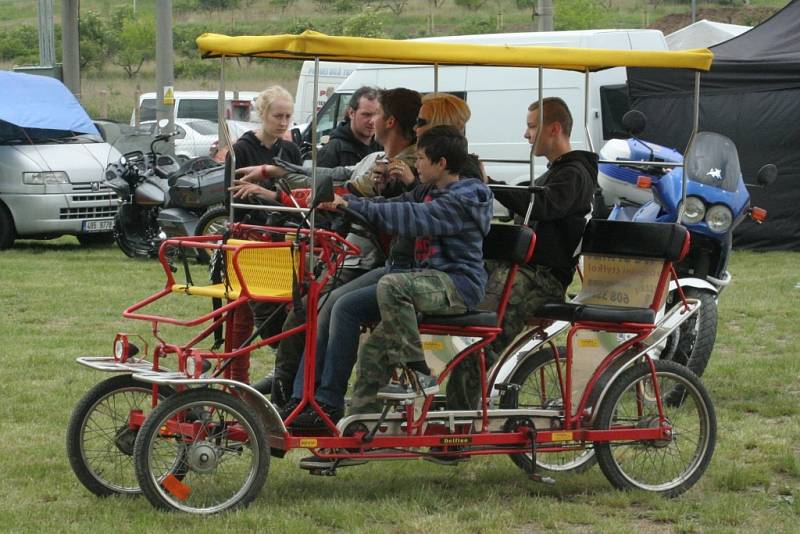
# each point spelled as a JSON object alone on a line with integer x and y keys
{"x": 133, "y": 232}
{"x": 694, "y": 340}
{"x": 211, "y": 223}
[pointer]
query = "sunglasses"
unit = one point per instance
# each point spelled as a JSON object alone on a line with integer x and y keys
{"x": 420, "y": 122}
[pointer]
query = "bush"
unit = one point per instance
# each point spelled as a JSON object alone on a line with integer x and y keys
{"x": 477, "y": 25}
{"x": 577, "y": 15}
{"x": 367, "y": 24}
{"x": 299, "y": 26}
{"x": 471, "y": 5}
{"x": 214, "y": 5}
{"x": 21, "y": 42}
{"x": 196, "y": 68}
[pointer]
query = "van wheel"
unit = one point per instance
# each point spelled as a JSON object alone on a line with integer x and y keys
{"x": 7, "y": 230}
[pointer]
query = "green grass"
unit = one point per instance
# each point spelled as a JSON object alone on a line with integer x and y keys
{"x": 61, "y": 301}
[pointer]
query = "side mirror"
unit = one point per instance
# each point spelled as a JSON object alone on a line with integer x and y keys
{"x": 634, "y": 122}
{"x": 297, "y": 136}
{"x": 767, "y": 174}
{"x": 180, "y": 133}
{"x": 163, "y": 124}
{"x": 323, "y": 190}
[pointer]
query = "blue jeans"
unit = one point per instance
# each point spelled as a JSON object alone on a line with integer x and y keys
{"x": 338, "y": 329}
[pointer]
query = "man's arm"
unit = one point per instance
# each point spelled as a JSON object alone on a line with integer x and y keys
{"x": 442, "y": 216}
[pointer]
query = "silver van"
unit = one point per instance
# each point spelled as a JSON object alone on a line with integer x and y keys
{"x": 52, "y": 165}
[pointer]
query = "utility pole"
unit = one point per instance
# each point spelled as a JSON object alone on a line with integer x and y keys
{"x": 544, "y": 16}
{"x": 165, "y": 76}
{"x": 47, "y": 48}
{"x": 70, "y": 46}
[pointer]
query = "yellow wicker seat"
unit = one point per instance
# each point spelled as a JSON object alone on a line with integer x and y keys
{"x": 267, "y": 272}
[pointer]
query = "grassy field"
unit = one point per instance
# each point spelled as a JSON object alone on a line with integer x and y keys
{"x": 60, "y": 301}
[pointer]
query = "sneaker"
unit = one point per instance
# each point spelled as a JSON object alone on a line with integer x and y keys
{"x": 412, "y": 384}
{"x": 315, "y": 463}
{"x": 310, "y": 418}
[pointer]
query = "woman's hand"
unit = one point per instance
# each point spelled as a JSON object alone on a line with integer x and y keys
{"x": 248, "y": 191}
{"x": 398, "y": 169}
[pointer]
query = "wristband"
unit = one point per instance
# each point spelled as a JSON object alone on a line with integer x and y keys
{"x": 263, "y": 171}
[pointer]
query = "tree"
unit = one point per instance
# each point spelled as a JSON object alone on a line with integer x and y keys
{"x": 576, "y": 15}
{"x": 395, "y": 6}
{"x": 134, "y": 44}
{"x": 283, "y": 5}
{"x": 94, "y": 41}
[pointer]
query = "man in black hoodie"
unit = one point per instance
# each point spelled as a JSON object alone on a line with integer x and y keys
{"x": 355, "y": 137}
{"x": 559, "y": 217}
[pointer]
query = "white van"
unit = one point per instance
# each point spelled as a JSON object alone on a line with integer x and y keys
{"x": 200, "y": 105}
{"x": 499, "y": 96}
{"x": 331, "y": 75}
{"x": 52, "y": 164}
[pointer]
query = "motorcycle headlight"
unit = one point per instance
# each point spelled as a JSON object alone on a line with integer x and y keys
{"x": 695, "y": 210}
{"x": 719, "y": 218}
{"x": 45, "y": 178}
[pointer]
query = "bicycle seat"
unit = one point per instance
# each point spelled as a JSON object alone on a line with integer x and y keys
{"x": 573, "y": 312}
{"x": 476, "y": 318}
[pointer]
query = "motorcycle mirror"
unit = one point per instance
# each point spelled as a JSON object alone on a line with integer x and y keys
{"x": 297, "y": 137}
{"x": 767, "y": 174}
{"x": 163, "y": 123}
{"x": 634, "y": 122}
{"x": 123, "y": 160}
{"x": 179, "y": 133}
{"x": 323, "y": 190}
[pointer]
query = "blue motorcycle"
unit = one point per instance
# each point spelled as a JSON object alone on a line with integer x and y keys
{"x": 644, "y": 182}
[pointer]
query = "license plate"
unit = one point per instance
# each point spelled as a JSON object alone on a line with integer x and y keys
{"x": 98, "y": 225}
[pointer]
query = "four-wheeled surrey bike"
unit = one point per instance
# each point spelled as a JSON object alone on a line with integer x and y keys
{"x": 172, "y": 425}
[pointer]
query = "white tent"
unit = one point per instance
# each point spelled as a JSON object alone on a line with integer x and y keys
{"x": 703, "y": 34}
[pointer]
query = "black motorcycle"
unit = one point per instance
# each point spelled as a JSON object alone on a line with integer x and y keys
{"x": 160, "y": 198}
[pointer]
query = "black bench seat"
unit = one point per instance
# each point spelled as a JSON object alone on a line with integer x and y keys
{"x": 573, "y": 312}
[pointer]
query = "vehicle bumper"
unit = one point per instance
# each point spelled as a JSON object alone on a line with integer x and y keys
{"x": 60, "y": 213}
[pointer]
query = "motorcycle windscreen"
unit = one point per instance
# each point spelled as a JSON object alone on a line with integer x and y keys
{"x": 712, "y": 160}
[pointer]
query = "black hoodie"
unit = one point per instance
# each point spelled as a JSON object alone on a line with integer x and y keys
{"x": 559, "y": 213}
{"x": 343, "y": 149}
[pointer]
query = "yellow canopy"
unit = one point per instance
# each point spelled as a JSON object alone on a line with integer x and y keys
{"x": 311, "y": 44}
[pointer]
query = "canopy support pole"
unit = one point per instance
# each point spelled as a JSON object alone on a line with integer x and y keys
{"x": 311, "y": 217}
{"x": 589, "y": 142}
{"x": 224, "y": 136}
{"x": 535, "y": 140}
{"x": 435, "y": 77}
{"x": 695, "y": 127}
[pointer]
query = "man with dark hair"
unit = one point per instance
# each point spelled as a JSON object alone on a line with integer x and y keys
{"x": 559, "y": 216}
{"x": 354, "y": 138}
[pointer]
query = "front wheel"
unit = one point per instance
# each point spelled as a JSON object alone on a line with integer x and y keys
{"x": 136, "y": 231}
{"x": 692, "y": 343}
{"x": 215, "y": 439}
{"x": 668, "y": 467}
{"x": 213, "y": 222}
{"x": 99, "y": 439}
{"x": 540, "y": 388}
{"x": 8, "y": 232}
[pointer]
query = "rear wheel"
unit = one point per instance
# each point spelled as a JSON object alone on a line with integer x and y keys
{"x": 669, "y": 467}
{"x": 99, "y": 439}
{"x": 539, "y": 388}
{"x": 8, "y": 231}
{"x": 215, "y": 439}
{"x": 213, "y": 222}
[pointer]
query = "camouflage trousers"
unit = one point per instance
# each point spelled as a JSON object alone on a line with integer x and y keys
{"x": 396, "y": 340}
{"x": 533, "y": 286}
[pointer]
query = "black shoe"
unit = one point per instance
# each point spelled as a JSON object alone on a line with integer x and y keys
{"x": 288, "y": 408}
{"x": 281, "y": 390}
{"x": 264, "y": 386}
{"x": 309, "y": 418}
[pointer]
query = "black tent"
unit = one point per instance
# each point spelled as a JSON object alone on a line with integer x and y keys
{"x": 752, "y": 95}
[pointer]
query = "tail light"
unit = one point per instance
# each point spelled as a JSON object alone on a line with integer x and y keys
{"x": 758, "y": 214}
{"x": 644, "y": 182}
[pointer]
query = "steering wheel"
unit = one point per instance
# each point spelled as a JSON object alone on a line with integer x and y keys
{"x": 362, "y": 227}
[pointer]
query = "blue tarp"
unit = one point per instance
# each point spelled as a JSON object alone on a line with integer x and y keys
{"x": 32, "y": 101}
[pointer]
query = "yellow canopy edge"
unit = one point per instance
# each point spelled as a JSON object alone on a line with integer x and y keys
{"x": 311, "y": 44}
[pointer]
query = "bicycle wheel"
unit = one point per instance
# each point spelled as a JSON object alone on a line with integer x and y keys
{"x": 99, "y": 440}
{"x": 215, "y": 439}
{"x": 540, "y": 388}
{"x": 669, "y": 467}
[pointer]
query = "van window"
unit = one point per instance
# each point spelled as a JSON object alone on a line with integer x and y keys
{"x": 614, "y": 104}
{"x": 204, "y": 127}
{"x": 193, "y": 108}
{"x": 147, "y": 111}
